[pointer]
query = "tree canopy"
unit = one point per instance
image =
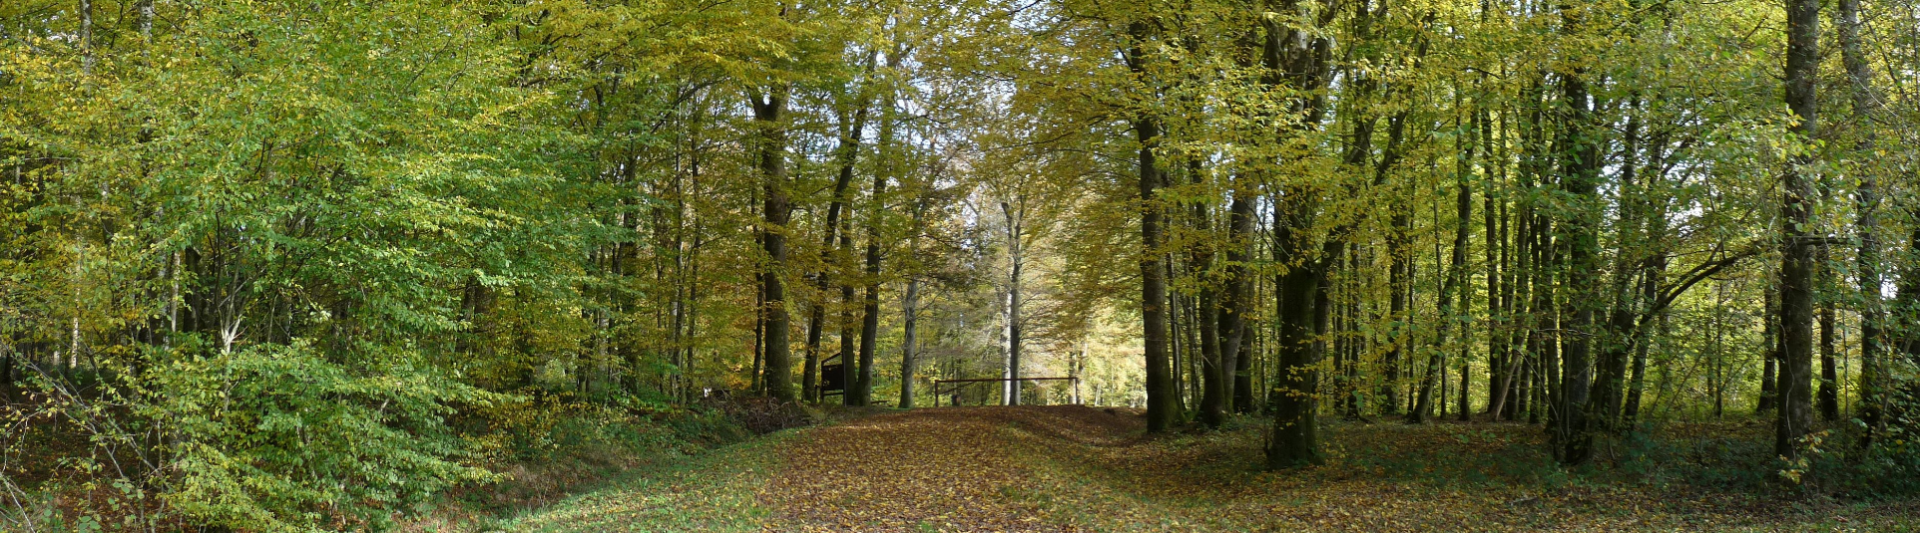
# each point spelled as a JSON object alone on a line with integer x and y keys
{"x": 295, "y": 266}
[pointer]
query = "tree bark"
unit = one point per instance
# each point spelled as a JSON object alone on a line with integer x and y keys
{"x": 1399, "y": 277}
{"x": 776, "y": 214}
{"x": 1770, "y": 333}
{"x": 1615, "y": 338}
{"x": 1296, "y": 426}
{"x": 1200, "y": 259}
{"x": 849, "y": 335}
{"x": 1236, "y": 302}
{"x": 909, "y": 325}
{"x": 1828, "y": 395}
{"x": 1299, "y": 60}
{"x": 870, "y": 317}
{"x": 847, "y": 154}
{"x": 1866, "y": 210}
{"x": 1581, "y": 168}
{"x": 1400, "y": 285}
{"x": 1015, "y": 260}
{"x": 1153, "y": 287}
{"x": 1495, "y": 249}
{"x": 1797, "y": 261}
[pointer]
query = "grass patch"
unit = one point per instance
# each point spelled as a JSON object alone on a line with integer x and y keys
{"x": 713, "y": 491}
{"x": 565, "y": 449}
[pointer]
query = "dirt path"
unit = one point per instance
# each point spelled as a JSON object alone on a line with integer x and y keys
{"x": 934, "y": 469}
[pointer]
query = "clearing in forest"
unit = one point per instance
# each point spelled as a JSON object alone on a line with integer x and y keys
{"x": 1071, "y": 468}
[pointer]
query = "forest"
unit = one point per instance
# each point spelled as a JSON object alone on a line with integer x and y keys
{"x": 967, "y": 265}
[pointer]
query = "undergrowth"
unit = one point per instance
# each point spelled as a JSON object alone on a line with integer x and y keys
{"x": 559, "y": 447}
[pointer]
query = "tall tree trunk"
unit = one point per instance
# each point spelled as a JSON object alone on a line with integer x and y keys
{"x": 1293, "y": 57}
{"x": 1400, "y": 287}
{"x": 1296, "y": 426}
{"x": 1243, "y": 369}
{"x": 1200, "y": 259}
{"x": 1770, "y": 333}
{"x": 1796, "y": 269}
{"x": 847, "y": 154}
{"x": 1505, "y": 401}
{"x": 86, "y": 36}
{"x": 1553, "y": 317}
{"x": 1463, "y": 281}
{"x": 849, "y": 336}
{"x": 1497, "y": 356}
{"x": 1453, "y": 286}
{"x": 1717, "y": 367}
{"x": 776, "y": 214}
{"x": 909, "y": 332}
{"x": 1520, "y": 310}
{"x": 1615, "y": 338}
{"x": 1636, "y": 383}
{"x": 1015, "y": 262}
{"x": 1538, "y": 260}
{"x": 1153, "y": 287}
{"x": 1828, "y": 395}
{"x": 1237, "y": 301}
{"x": 1581, "y": 171}
{"x": 693, "y": 304}
{"x": 870, "y": 323}
{"x": 759, "y": 330}
{"x": 910, "y": 309}
{"x": 870, "y": 318}
{"x": 1399, "y": 276}
{"x": 1180, "y": 343}
{"x": 143, "y": 10}
{"x": 810, "y": 371}
{"x": 1866, "y": 211}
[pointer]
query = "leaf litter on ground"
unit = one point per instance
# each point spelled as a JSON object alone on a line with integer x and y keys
{"x": 1073, "y": 468}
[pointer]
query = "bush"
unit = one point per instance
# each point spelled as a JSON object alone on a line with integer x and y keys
{"x": 273, "y": 438}
{"x": 279, "y": 439}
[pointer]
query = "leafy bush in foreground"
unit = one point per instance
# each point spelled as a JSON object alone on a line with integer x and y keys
{"x": 269, "y": 438}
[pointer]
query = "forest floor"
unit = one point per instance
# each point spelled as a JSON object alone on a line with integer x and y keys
{"x": 1075, "y": 468}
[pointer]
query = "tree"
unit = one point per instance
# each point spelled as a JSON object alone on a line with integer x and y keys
{"x": 1153, "y": 287}
{"x": 1797, "y": 239}
{"x": 1298, "y": 60}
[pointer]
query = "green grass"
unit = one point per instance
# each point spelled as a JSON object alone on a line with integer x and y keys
{"x": 713, "y": 491}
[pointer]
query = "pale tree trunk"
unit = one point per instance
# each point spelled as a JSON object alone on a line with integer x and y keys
{"x": 909, "y": 324}
{"x": 144, "y": 10}
{"x": 86, "y": 36}
{"x": 1236, "y": 302}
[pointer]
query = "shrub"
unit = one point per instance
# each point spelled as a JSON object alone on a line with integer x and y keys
{"x": 277, "y": 438}
{"x": 272, "y": 438}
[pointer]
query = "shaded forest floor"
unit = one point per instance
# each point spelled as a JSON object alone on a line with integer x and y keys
{"x": 1085, "y": 469}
